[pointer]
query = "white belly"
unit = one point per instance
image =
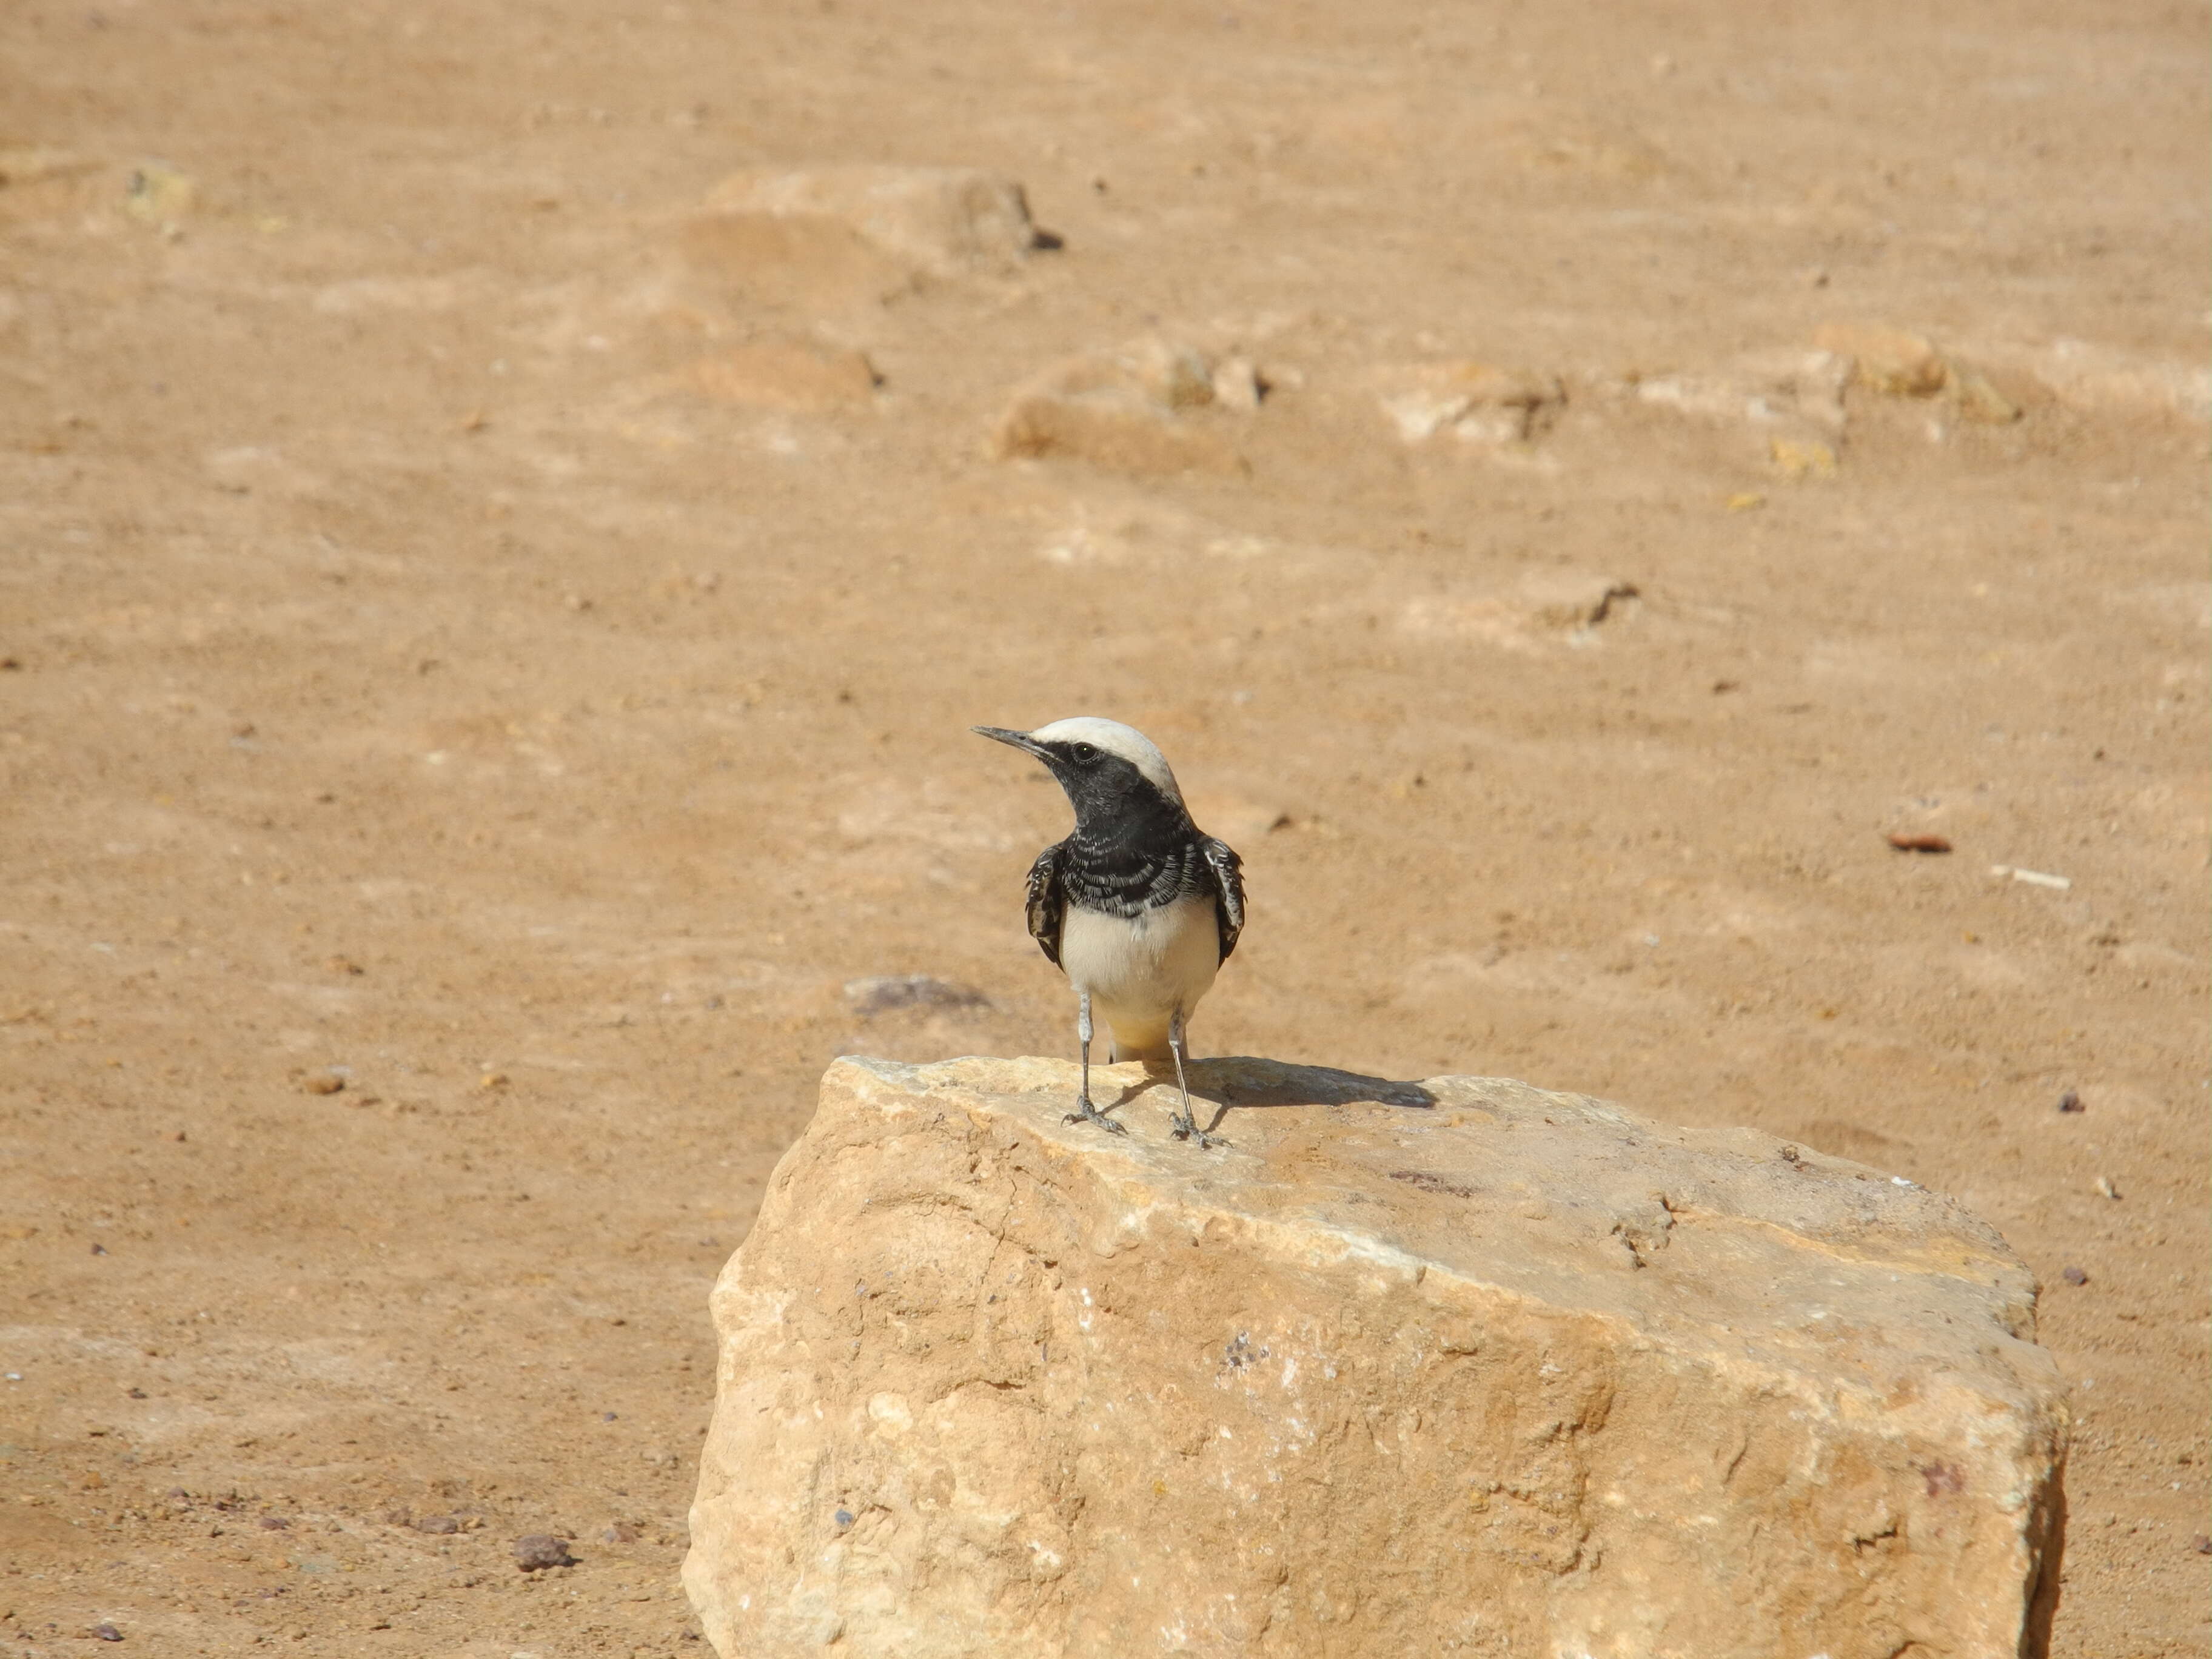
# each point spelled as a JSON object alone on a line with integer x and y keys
{"x": 1142, "y": 970}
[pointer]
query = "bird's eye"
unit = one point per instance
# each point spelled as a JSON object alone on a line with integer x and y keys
{"x": 1082, "y": 751}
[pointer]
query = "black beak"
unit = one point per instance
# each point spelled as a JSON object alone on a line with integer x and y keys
{"x": 1021, "y": 740}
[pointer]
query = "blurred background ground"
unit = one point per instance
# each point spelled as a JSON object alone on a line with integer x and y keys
{"x": 472, "y": 647}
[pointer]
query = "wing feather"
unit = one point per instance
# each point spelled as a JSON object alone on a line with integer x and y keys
{"x": 1228, "y": 872}
{"x": 1048, "y": 901}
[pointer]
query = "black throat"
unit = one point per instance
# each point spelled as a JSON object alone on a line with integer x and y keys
{"x": 1134, "y": 847}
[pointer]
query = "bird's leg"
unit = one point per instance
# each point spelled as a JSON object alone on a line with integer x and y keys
{"x": 1084, "y": 1110}
{"x": 1186, "y": 1127}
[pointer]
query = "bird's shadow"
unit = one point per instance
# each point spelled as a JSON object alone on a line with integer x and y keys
{"x": 1243, "y": 1081}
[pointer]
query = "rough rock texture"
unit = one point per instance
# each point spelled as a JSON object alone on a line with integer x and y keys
{"x": 1460, "y": 1366}
{"x": 1476, "y": 403}
{"x": 1129, "y": 407}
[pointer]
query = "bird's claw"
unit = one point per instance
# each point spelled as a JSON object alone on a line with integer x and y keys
{"x": 1086, "y": 1113}
{"x": 1185, "y": 1128}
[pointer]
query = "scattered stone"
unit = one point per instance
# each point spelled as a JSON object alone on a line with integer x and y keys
{"x": 1917, "y": 841}
{"x": 1799, "y": 393}
{"x": 441, "y": 1525}
{"x": 2201, "y": 1544}
{"x": 791, "y": 374}
{"x": 2086, "y": 376}
{"x": 323, "y": 1083}
{"x": 537, "y": 1551}
{"x": 1132, "y": 408}
{"x": 620, "y": 1532}
{"x": 2074, "y": 1276}
{"x": 948, "y": 222}
{"x": 1544, "y": 607}
{"x": 1476, "y": 403}
{"x": 2105, "y": 1189}
{"x": 105, "y": 1632}
{"x": 158, "y": 194}
{"x": 1815, "y": 1406}
{"x": 2070, "y": 1102}
{"x": 274, "y": 1523}
{"x": 1890, "y": 361}
{"x": 1977, "y": 399}
{"x": 881, "y": 993}
{"x": 1237, "y": 386}
{"x": 1801, "y": 458}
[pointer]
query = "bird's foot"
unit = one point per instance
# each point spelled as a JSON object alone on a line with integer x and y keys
{"x": 1086, "y": 1113}
{"x": 1185, "y": 1128}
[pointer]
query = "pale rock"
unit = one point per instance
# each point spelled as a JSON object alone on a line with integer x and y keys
{"x": 948, "y": 222}
{"x": 1237, "y": 384}
{"x": 1800, "y": 392}
{"x": 1978, "y": 399}
{"x": 2105, "y": 379}
{"x": 1891, "y": 361}
{"x": 160, "y": 195}
{"x": 1130, "y": 408}
{"x": 1552, "y": 603}
{"x": 1461, "y": 1366}
{"x": 1475, "y": 401}
{"x": 1801, "y": 458}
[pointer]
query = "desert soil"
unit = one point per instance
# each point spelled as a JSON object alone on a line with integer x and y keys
{"x": 486, "y": 664}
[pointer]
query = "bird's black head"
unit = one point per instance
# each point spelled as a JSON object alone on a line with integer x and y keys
{"x": 1114, "y": 777}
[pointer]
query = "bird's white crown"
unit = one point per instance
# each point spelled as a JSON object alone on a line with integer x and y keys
{"x": 1115, "y": 739}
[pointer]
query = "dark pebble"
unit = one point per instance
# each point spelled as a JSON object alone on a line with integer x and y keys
{"x": 274, "y": 1523}
{"x": 104, "y": 1631}
{"x": 536, "y": 1551}
{"x": 2074, "y": 1276}
{"x": 844, "y": 1518}
{"x": 2069, "y": 1102}
{"x": 2201, "y": 1544}
{"x": 438, "y": 1523}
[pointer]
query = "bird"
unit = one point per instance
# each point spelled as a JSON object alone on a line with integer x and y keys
{"x": 1137, "y": 906}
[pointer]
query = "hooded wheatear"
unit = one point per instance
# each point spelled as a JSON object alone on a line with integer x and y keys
{"x": 1137, "y": 908}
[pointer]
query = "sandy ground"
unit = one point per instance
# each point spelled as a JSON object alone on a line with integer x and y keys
{"x": 457, "y": 647}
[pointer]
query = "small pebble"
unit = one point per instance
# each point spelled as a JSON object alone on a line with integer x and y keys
{"x": 440, "y": 1524}
{"x": 104, "y": 1631}
{"x": 1907, "y": 840}
{"x": 2069, "y": 1102}
{"x": 2201, "y": 1544}
{"x": 2074, "y": 1276}
{"x": 274, "y": 1523}
{"x": 323, "y": 1083}
{"x": 844, "y": 1519}
{"x": 2105, "y": 1189}
{"x": 535, "y": 1551}
{"x": 620, "y": 1533}
{"x": 100, "y": 1249}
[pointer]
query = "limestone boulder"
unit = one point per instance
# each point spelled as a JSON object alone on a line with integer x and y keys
{"x": 1460, "y": 1366}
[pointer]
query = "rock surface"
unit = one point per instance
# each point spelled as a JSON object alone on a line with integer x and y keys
{"x": 1461, "y": 1366}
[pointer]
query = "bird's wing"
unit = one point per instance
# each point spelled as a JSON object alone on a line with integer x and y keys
{"x": 1048, "y": 902}
{"x": 1229, "y": 889}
